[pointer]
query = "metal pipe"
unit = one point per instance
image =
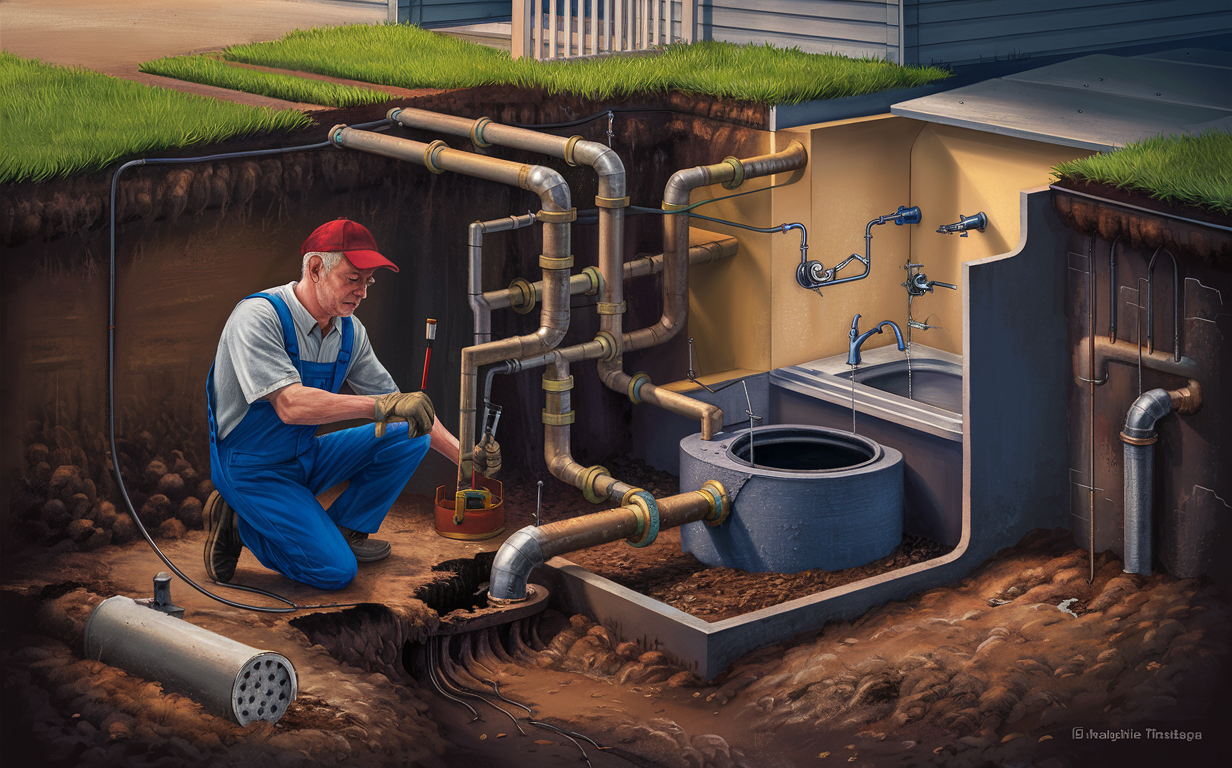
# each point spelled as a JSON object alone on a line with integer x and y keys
{"x": 227, "y": 678}
{"x": 554, "y": 198}
{"x": 1176, "y": 305}
{"x": 595, "y": 482}
{"x": 590, "y": 280}
{"x": 1139, "y": 437}
{"x": 1112, "y": 291}
{"x": 478, "y": 299}
{"x": 532, "y": 546}
{"x": 1128, "y": 353}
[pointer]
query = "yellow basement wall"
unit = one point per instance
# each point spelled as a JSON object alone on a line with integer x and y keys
{"x": 749, "y": 314}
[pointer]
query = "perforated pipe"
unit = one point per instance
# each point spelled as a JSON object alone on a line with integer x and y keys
{"x": 227, "y": 678}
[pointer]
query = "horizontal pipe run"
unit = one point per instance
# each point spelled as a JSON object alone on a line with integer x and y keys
{"x": 532, "y": 546}
{"x": 702, "y": 253}
{"x": 1127, "y": 352}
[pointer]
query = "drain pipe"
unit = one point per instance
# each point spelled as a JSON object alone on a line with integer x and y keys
{"x": 556, "y": 260}
{"x": 1139, "y": 437}
{"x": 638, "y": 521}
{"x": 732, "y": 172}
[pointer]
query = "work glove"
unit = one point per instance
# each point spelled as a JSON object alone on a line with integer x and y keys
{"x": 412, "y": 407}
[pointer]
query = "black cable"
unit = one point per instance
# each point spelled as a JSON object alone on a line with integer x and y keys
{"x": 604, "y": 113}
{"x": 291, "y": 606}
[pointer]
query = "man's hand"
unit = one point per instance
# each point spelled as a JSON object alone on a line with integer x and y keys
{"x": 412, "y": 407}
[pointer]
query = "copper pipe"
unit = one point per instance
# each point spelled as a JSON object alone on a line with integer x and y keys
{"x": 676, "y": 282}
{"x": 554, "y": 198}
{"x": 532, "y": 546}
{"x": 588, "y": 282}
{"x": 595, "y": 482}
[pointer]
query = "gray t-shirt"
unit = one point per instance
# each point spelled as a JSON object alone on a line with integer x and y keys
{"x": 252, "y": 359}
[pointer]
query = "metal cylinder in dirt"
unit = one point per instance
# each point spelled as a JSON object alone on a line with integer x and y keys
{"x": 227, "y": 678}
{"x": 1139, "y": 437}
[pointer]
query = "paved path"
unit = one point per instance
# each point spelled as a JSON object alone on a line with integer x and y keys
{"x": 114, "y": 36}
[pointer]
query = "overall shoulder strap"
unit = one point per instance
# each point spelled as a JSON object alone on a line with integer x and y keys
{"x": 289, "y": 338}
{"x": 344, "y": 353}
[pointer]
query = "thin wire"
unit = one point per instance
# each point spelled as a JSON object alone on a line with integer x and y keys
{"x": 291, "y": 606}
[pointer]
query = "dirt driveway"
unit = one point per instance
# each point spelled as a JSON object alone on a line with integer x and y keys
{"x": 114, "y": 36}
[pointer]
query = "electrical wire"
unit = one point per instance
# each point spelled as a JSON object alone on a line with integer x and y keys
{"x": 290, "y": 605}
{"x": 602, "y": 114}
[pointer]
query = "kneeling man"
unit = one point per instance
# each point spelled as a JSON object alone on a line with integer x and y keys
{"x": 283, "y": 356}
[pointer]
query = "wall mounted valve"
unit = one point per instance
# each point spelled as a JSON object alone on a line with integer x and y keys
{"x": 918, "y": 283}
{"x": 812, "y": 274}
{"x": 964, "y": 223}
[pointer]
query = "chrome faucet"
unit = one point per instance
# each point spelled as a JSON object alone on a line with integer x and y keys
{"x": 857, "y": 338}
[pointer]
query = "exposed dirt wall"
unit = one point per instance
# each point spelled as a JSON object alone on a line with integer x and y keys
{"x": 194, "y": 239}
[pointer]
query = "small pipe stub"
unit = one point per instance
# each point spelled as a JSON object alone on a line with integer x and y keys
{"x": 647, "y": 510}
{"x": 737, "y": 173}
{"x": 636, "y": 383}
{"x": 430, "y": 153}
{"x": 477, "y": 132}
{"x": 522, "y": 297}
{"x": 720, "y": 503}
{"x": 588, "y": 479}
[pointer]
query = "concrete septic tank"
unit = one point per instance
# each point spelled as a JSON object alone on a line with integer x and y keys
{"x": 813, "y": 497}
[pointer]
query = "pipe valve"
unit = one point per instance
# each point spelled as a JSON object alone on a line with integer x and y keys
{"x": 964, "y": 223}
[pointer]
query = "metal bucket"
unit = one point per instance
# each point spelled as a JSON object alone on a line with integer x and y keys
{"x": 482, "y": 523}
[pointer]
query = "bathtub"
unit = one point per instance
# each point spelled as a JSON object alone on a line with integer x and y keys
{"x": 927, "y": 429}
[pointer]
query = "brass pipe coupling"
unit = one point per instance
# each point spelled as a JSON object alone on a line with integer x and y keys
{"x": 644, "y": 506}
{"x": 639, "y": 379}
{"x": 720, "y": 503}
{"x": 587, "y": 483}
{"x": 522, "y": 296}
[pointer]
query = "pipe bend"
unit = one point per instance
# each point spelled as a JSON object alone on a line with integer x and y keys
{"x": 1149, "y": 408}
{"x": 517, "y": 557}
{"x": 549, "y": 185}
{"x": 605, "y": 162}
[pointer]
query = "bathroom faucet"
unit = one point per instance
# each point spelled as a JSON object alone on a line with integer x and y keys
{"x": 964, "y": 223}
{"x": 857, "y": 338}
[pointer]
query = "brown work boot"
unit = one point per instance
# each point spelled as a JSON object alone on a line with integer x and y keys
{"x": 222, "y": 539}
{"x": 366, "y": 550}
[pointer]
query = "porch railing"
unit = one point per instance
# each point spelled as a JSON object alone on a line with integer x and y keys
{"x": 560, "y": 29}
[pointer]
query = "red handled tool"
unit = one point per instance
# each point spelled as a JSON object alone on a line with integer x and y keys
{"x": 430, "y": 335}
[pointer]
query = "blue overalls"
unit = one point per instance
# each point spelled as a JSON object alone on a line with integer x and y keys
{"x": 270, "y": 473}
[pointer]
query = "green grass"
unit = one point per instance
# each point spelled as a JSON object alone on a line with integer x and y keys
{"x": 59, "y": 120}
{"x": 409, "y": 57}
{"x": 1194, "y": 170}
{"x": 211, "y": 71}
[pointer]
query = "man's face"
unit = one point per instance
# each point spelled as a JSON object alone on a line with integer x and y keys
{"x": 340, "y": 292}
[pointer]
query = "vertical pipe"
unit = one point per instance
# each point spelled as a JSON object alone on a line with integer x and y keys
{"x": 1139, "y": 487}
{"x": 1091, "y": 384}
{"x": 1112, "y": 291}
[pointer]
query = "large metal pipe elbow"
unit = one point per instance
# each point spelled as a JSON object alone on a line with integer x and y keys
{"x": 517, "y": 557}
{"x": 549, "y": 185}
{"x": 1140, "y": 420}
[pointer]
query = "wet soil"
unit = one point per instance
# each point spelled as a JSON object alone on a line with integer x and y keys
{"x": 997, "y": 669}
{"x": 667, "y": 573}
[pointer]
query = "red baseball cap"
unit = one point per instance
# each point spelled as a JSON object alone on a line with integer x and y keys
{"x": 354, "y": 240}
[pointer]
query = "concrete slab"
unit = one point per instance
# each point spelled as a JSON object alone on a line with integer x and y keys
{"x": 1170, "y": 82}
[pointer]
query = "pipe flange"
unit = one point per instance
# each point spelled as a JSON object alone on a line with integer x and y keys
{"x": 624, "y": 500}
{"x": 477, "y": 132}
{"x": 596, "y": 281}
{"x": 334, "y": 137}
{"x": 557, "y": 217}
{"x": 557, "y": 385}
{"x": 570, "y": 146}
{"x": 612, "y": 202}
{"x": 554, "y": 262}
{"x": 636, "y": 383}
{"x": 430, "y": 153}
{"x": 559, "y": 419}
{"x": 589, "y": 476}
{"x": 737, "y": 173}
{"x": 649, "y": 512}
{"x": 720, "y": 505}
{"x": 607, "y": 340}
{"x": 1139, "y": 440}
{"x": 607, "y": 308}
{"x": 523, "y": 296}
{"x": 392, "y": 115}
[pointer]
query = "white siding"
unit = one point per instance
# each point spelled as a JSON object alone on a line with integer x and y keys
{"x": 847, "y": 27}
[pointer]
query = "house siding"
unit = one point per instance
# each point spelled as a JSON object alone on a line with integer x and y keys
{"x": 448, "y": 13}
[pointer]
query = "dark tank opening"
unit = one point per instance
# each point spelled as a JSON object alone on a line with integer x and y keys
{"x": 803, "y": 449}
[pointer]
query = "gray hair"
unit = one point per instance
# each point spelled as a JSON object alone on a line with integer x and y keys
{"x": 329, "y": 260}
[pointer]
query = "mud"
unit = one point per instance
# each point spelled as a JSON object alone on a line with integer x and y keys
{"x": 1211, "y": 246}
